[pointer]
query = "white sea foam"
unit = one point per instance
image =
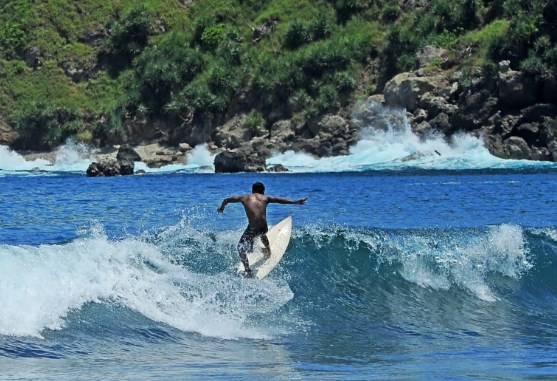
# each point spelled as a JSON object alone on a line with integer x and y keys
{"x": 76, "y": 157}
{"x": 200, "y": 156}
{"x": 40, "y": 286}
{"x": 72, "y": 157}
{"x": 12, "y": 161}
{"x": 199, "y": 159}
{"x": 69, "y": 157}
{"x": 388, "y": 143}
{"x": 549, "y": 233}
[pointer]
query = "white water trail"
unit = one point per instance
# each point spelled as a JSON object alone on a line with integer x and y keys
{"x": 41, "y": 285}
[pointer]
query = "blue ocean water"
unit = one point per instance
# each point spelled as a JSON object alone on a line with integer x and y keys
{"x": 420, "y": 267}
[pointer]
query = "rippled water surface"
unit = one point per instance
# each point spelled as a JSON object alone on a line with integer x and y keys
{"x": 389, "y": 275}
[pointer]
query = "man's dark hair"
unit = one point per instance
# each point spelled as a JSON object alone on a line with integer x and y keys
{"x": 258, "y": 188}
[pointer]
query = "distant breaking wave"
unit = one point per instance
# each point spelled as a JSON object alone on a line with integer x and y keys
{"x": 386, "y": 143}
{"x": 76, "y": 157}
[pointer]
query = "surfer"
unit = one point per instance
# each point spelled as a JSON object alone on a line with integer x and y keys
{"x": 255, "y": 205}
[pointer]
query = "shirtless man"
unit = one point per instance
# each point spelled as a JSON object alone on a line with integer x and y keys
{"x": 255, "y": 205}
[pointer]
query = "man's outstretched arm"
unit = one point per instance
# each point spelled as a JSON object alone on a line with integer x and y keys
{"x": 278, "y": 200}
{"x": 228, "y": 200}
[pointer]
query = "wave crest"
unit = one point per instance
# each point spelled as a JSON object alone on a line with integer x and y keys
{"x": 466, "y": 259}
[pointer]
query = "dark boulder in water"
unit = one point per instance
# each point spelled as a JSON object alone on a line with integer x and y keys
{"x": 110, "y": 168}
{"x": 241, "y": 160}
{"x": 123, "y": 165}
{"x": 127, "y": 153}
{"x": 277, "y": 168}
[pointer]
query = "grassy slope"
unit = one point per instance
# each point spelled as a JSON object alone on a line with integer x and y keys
{"x": 315, "y": 71}
{"x": 57, "y": 28}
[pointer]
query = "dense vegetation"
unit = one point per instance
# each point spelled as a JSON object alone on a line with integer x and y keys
{"x": 89, "y": 68}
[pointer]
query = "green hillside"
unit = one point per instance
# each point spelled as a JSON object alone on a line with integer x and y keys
{"x": 90, "y": 69}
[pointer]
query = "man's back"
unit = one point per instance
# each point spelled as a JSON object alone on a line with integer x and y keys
{"x": 255, "y": 205}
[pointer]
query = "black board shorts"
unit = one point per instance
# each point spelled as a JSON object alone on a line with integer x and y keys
{"x": 250, "y": 234}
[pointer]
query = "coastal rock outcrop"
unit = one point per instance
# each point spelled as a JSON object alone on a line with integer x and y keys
{"x": 245, "y": 149}
{"x": 110, "y": 168}
{"x": 126, "y": 153}
{"x": 277, "y": 168}
{"x": 516, "y": 89}
{"x": 156, "y": 155}
{"x": 515, "y": 116}
{"x": 240, "y": 160}
{"x": 233, "y": 134}
{"x": 406, "y": 90}
{"x": 122, "y": 166}
{"x": 7, "y": 134}
{"x": 326, "y": 135}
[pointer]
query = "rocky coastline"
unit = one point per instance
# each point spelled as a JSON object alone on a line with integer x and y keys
{"x": 515, "y": 115}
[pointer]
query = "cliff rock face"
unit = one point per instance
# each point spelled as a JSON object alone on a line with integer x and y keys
{"x": 7, "y": 134}
{"x": 516, "y": 89}
{"x": 245, "y": 150}
{"x": 513, "y": 114}
{"x": 332, "y": 135}
{"x": 406, "y": 90}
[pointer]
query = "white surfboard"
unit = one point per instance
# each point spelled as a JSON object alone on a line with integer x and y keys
{"x": 279, "y": 237}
